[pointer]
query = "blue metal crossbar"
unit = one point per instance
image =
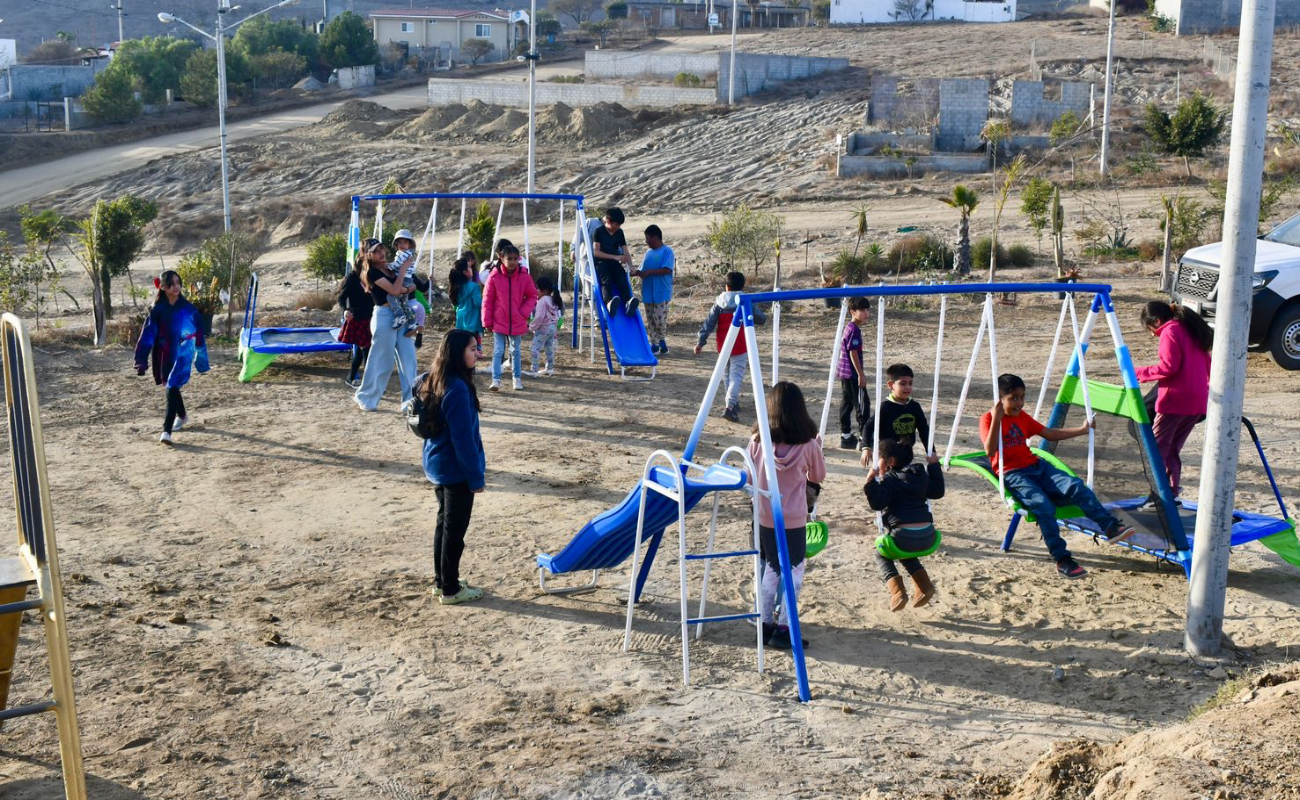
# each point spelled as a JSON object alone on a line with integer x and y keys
{"x": 21, "y": 606}
{"x": 577, "y": 198}
{"x": 27, "y": 711}
{"x": 900, "y": 291}
{"x": 706, "y": 556}
{"x": 725, "y": 618}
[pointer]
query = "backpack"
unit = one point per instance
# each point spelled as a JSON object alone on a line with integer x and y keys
{"x": 424, "y": 421}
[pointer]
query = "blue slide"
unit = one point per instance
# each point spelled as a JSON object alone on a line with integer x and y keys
{"x": 609, "y": 539}
{"x": 625, "y": 335}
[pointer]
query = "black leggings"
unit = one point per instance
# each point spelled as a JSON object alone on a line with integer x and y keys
{"x": 175, "y": 407}
{"x": 359, "y": 355}
{"x": 455, "y": 505}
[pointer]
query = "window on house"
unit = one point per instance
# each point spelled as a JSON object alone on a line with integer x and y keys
{"x": 483, "y": 31}
{"x": 408, "y": 27}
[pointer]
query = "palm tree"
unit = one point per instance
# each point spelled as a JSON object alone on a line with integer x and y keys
{"x": 859, "y": 217}
{"x": 965, "y": 201}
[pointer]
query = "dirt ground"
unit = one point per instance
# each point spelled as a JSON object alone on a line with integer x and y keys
{"x": 285, "y": 515}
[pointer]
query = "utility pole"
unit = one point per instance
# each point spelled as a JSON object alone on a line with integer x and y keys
{"x": 121, "y": 35}
{"x": 731, "y": 72}
{"x": 223, "y": 7}
{"x": 1110, "y": 90}
{"x": 532, "y": 98}
{"x": 1209, "y": 579}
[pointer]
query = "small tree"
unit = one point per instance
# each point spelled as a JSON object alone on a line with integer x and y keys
{"x": 20, "y": 280}
{"x": 1065, "y": 128}
{"x": 965, "y": 200}
{"x": 43, "y": 231}
{"x": 1009, "y": 178}
{"x": 56, "y": 52}
{"x": 580, "y": 11}
{"x": 327, "y": 257}
{"x": 1196, "y": 126}
{"x": 199, "y": 81}
{"x": 859, "y": 217}
{"x": 616, "y": 9}
{"x": 112, "y": 98}
{"x": 1058, "y": 232}
{"x": 599, "y": 29}
{"x": 260, "y": 35}
{"x": 278, "y": 68}
{"x": 476, "y": 49}
{"x": 548, "y": 25}
{"x": 821, "y": 11}
{"x": 994, "y": 133}
{"x": 1035, "y": 204}
{"x": 479, "y": 231}
{"x": 347, "y": 42}
{"x": 154, "y": 63}
{"x": 108, "y": 241}
{"x": 744, "y": 234}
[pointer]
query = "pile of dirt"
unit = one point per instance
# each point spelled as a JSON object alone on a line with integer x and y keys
{"x": 353, "y": 119}
{"x": 1240, "y": 749}
{"x": 557, "y": 123}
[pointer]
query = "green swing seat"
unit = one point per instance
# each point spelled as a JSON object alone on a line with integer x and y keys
{"x": 979, "y": 463}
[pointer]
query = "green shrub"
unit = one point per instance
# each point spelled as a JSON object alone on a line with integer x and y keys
{"x": 212, "y": 263}
{"x": 920, "y": 252}
{"x": 1064, "y": 128}
{"x": 112, "y": 97}
{"x": 566, "y": 79}
{"x": 688, "y": 80}
{"x": 854, "y": 269}
{"x": 1020, "y": 255}
{"x": 979, "y": 253}
{"x": 327, "y": 257}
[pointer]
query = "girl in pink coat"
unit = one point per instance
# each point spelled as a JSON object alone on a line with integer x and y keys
{"x": 1182, "y": 375}
{"x": 800, "y": 466}
{"x": 508, "y": 300}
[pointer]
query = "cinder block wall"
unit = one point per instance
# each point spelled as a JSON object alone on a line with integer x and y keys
{"x": 963, "y": 110}
{"x": 754, "y": 72}
{"x": 1212, "y": 16}
{"x": 1029, "y": 107}
{"x": 447, "y": 92}
{"x": 48, "y": 82}
{"x": 605, "y": 64}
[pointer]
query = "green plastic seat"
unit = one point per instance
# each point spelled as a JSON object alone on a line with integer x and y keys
{"x": 979, "y": 463}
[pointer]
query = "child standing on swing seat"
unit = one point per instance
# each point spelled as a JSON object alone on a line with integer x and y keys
{"x": 800, "y": 469}
{"x": 1039, "y": 486}
{"x": 407, "y": 311}
{"x": 900, "y": 495}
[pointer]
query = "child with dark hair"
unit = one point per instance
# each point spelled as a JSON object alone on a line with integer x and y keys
{"x": 610, "y": 255}
{"x": 1039, "y": 486}
{"x": 546, "y": 318}
{"x": 901, "y": 418}
{"x": 1182, "y": 376}
{"x": 454, "y": 461}
{"x": 800, "y": 466}
{"x": 719, "y": 319}
{"x": 855, "y": 404}
{"x": 172, "y": 340}
{"x": 466, "y": 295}
{"x": 901, "y": 497}
{"x": 656, "y": 274}
{"x": 358, "y": 307}
{"x": 508, "y": 301}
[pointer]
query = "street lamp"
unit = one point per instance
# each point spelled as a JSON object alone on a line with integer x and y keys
{"x": 223, "y": 8}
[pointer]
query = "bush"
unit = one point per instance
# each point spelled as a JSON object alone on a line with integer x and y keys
{"x": 1150, "y": 249}
{"x": 112, "y": 98}
{"x": 278, "y": 68}
{"x": 347, "y": 42}
{"x": 565, "y": 79}
{"x": 688, "y": 80}
{"x": 327, "y": 257}
{"x": 199, "y": 81}
{"x": 1020, "y": 255}
{"x": 979, "y": 253}
{"x": 212, "y": 262}
{"x": 1064, "y": 128}
{"x": 316, "y": 301}
{"x": 476, "y": 49}
{"x": 856, "y": 269}
{"x": 744, "y": 234}
{"x": 920, "y": 252}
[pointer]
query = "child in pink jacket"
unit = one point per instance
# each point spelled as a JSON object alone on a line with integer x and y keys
{"x": 1182, "y": 374}
{"x": 800, "y": 466}
{"x": 508, "y": 300}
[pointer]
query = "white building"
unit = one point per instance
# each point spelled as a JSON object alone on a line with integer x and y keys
{"x": 863, "y": 12}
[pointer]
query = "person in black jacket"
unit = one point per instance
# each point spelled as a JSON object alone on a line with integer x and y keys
{"x": 900, "y": 495}
{"x": 358, "y": 306}
{"x": 901, "y": 417}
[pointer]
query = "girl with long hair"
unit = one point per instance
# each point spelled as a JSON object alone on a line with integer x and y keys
{"x": 358, "y": 306}
{"x": 1182, "y": 377}
{"x": 172, "y": 340}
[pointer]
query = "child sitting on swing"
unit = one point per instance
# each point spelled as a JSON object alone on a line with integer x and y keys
{"x": 900, "y": 495}
{"x": 1039, "y": 486}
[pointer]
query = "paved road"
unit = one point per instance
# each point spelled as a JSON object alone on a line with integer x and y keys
{"x": 22, "y": 185}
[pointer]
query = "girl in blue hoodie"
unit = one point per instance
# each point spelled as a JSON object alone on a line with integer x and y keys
{"x": 453, "y": 460}
{"x": 173, "y": 341}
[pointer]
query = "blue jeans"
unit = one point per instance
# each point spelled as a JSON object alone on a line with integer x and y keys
{"x": 1041, "y": 488}
{"x": 387, "y": 347}
{"x": 499, "y": 341}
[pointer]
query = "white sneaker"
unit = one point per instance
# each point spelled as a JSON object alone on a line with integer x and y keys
{"x": 530, "y": 373}
{"x": 550, "y": 371}
{"x": 519, "y": 384}
{"x": 495, "y": 386}
{"x": 179, "y": 423}
{"x": 166, "y": 438}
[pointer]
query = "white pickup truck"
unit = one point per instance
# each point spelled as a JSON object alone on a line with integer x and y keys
{"x": 1275, "y": 313}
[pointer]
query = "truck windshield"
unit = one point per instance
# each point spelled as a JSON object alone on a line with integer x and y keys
{"x": 1286, "y": 233}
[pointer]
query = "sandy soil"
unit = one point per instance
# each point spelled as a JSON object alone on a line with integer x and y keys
{"x": 285, "y": 515}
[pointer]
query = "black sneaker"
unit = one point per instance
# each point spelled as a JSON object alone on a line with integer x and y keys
{"x": 769, "y": 630}
{"x": 781, "y": 639}
{"x": 1118, "y": 532}
{"x": 731, "y": 413}
{"x": 1069, "y": 568}
{"x": 631, "y": 306}
{"x": 613, "y": 306}
{"x": 663, "y": 347}
{"x": 848, "y": 442}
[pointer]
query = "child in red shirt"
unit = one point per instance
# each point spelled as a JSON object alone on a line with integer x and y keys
{"x": 1039, "y": 486}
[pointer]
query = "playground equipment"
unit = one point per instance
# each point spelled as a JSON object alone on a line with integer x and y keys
{"x": 258, "y": 347}
{"x": 37, "y": 562}
{"x": 623, "y": 335}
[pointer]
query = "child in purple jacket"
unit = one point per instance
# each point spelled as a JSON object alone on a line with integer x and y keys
{"x": 1182, "y": 375}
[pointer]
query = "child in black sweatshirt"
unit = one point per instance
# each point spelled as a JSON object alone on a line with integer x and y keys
{"x": 901, "y": 417}
{"x": 901, "y": 495}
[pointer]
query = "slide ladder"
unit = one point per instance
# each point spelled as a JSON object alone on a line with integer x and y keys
{"x": 678, "y": 494}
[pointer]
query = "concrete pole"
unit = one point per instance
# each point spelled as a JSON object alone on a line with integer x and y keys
{"x": 1110, "y": 89}
{"x": 1209, "y": 581}
{"x": 221, "y": 109}
{"x": 532, "y": 97}
{"x": 731, "y": 77}
{"x": 121, "y": 36}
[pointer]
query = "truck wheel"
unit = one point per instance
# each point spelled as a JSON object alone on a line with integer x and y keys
{"x": 1284, "y": 338}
